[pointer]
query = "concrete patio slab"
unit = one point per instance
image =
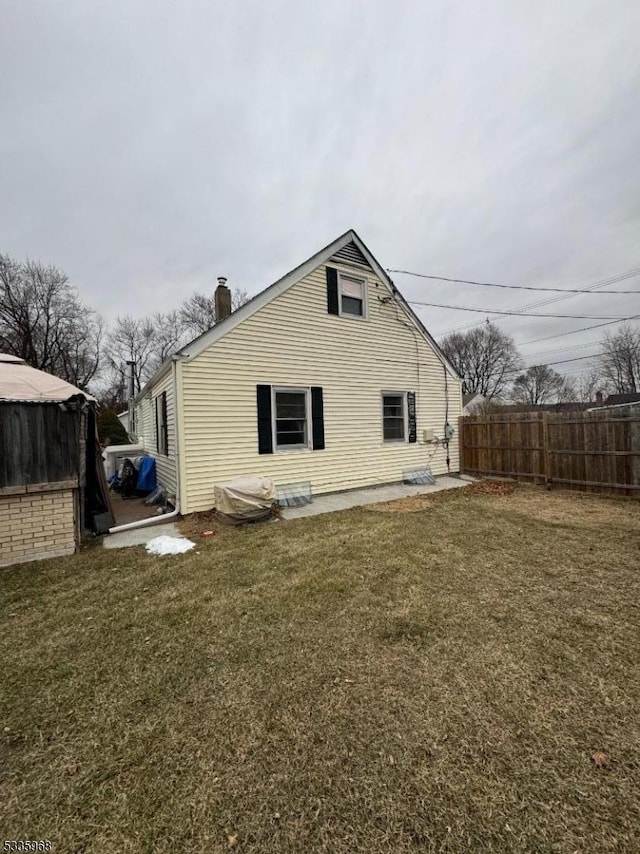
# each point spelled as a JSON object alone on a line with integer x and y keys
{"x": 372, "y": 495}
{"x": 140, "y": 536}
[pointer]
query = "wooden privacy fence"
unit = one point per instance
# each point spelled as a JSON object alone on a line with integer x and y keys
{"x": 596, "y": 451}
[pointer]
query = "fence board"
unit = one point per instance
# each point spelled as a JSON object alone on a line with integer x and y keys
{"x": 595, "y": 451}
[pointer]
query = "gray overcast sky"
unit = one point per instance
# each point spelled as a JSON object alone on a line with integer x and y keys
{"x": 147, "y": 147}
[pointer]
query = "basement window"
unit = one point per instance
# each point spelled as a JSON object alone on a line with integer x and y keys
{"x": 394, "y": 416}
{"x": 353, "y": 300}
{"x": 291, "y": 418}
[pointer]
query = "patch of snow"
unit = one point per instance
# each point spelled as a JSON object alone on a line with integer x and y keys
{"x": 166, "y": 545}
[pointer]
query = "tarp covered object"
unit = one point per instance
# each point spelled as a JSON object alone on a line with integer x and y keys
{"x": 244, "y": 499}
{"x": 20, "y": 383}
{"x": 146, "y": 475}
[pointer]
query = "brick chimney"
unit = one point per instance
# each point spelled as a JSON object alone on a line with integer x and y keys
{"x": 222, "y": 299}
{"x": 599, "y": 398}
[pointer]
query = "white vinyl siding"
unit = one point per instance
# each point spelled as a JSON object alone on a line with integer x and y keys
{"x": 165, "y": 463}
{"x": 293, "y": 341}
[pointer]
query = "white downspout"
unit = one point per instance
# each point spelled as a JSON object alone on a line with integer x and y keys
{"x": 159, "y": 520}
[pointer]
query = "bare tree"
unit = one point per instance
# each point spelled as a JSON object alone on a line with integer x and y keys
{"x": 541, "y": 384}
{"x": 132, "y": 339}
{"x": 150, "y": 341}
{"x": 589, "y": 384}
{"x": 198, "y": 312}
{"x": 485, "y": 357}
{"x": 169, "y": 336}
{"x": 44, "y": 321}
{"x": 110, "y": 389}
{"x": 621, "y": 360}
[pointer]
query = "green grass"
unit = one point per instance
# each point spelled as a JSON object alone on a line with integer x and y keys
{"x": 364, "y": 681}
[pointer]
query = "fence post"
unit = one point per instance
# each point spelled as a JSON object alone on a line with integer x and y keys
{"x": 545, "y": 445}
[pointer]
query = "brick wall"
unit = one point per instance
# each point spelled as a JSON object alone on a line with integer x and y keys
{"x": 37, "y": 521}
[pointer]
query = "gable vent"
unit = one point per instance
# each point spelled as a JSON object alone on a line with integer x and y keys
{"x": 350, "y": 254}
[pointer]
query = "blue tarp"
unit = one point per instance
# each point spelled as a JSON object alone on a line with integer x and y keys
{"x": 146, "y": 475}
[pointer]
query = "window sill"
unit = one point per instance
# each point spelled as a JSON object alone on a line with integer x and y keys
{"x": 353, "y": 316}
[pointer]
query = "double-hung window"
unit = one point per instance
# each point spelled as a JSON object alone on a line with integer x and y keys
{"x": 394, "y": 416}
{"x": 353, "y": 299}
{"x": 162, "y": 428}
{"x": 291, "y": 418}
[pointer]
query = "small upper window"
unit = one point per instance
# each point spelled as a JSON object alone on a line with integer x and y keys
{"x": 352, "y": 295}
{"x": 291, "y": 419}
{"x": 394, "y": 417}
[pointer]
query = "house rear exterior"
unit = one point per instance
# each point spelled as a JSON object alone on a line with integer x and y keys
{"x": 327, "y": 376}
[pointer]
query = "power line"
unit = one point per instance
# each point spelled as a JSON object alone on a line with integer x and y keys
{"x": 628, "y": 275}
{"x": 575, "y": 371}
{"x": 549, "y": 300}
{"x": 582, "y": 329}
{"x": 565, "y": 361}
{"x": 512, "y": 372}
{"x": 544, "y": 356}
{"x": 539, "y": 364}
{"x": 574, "y": 347}
{"x": 519, "y": 313}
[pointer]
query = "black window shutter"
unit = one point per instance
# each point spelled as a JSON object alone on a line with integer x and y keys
{"x": 332, "y": 291}
{"x": 157, "y": 428}
{"x": 165, "y": 426}
{"x": 411, "y": 413}
{"x": 265, "y": 437}
{"x": 317, "y": 418}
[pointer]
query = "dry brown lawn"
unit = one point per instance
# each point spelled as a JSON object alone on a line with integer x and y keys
{"x": 412, "y": 504}
{"x": 461, "y": 678}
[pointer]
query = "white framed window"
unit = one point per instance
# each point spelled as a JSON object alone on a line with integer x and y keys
{"x": 291, "y": 421}
{"x": 394, "y": 416}
{"x": 352, "y": 295}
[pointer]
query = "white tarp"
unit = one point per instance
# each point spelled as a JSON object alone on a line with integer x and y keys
{"x": 165, "y": 545}
{"x": 245, "y": 497}
{"x": 19, "y": 382}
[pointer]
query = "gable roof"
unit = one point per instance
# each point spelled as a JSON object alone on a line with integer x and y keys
{"x": 350, "y": 249}
{"x": 470, "y": 397}
{"x": 631, "y": 400}
{"x": 627, "y": 397}
{"x": 346, "y": 249}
